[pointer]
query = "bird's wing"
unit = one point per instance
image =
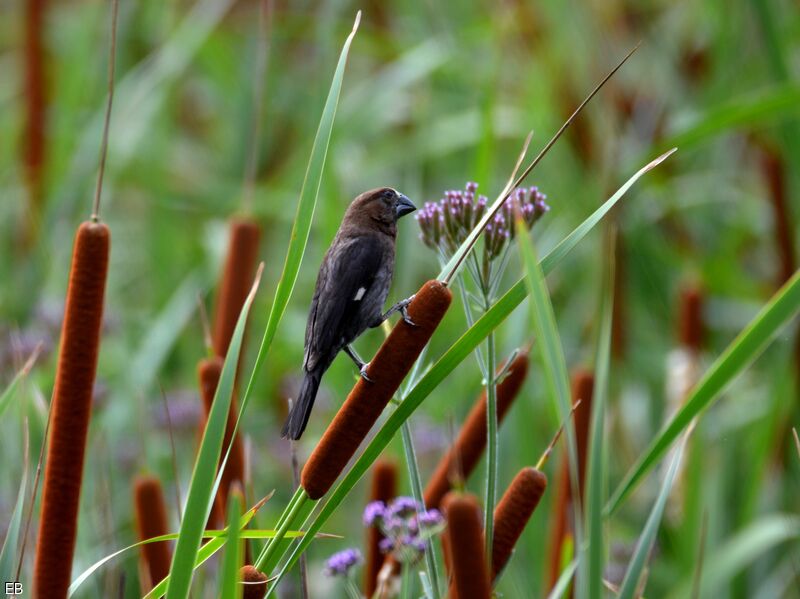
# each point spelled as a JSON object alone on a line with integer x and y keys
{"x": 346, "y": 276}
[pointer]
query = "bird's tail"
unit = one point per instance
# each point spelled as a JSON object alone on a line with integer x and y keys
{"x": 301, "y": 408}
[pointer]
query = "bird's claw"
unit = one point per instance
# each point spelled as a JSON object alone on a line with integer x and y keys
{"x": 404, "y": 311}
{"x": 363, "y": 372}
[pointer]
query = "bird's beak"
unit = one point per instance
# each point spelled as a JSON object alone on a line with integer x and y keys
{"x": 404, "y": 206}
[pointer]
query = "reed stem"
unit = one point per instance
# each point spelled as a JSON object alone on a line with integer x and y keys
{"x": 492, "y": 440}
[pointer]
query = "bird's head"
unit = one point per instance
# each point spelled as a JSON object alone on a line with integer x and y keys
{"x": 380, "y": 207}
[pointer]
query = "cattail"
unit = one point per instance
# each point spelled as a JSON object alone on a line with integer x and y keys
{"x": 254, "y": 583}
{"x": 465, "y": 541}
{"x": 33, "y": 152}
{"x": 237, "y": 278}
{"x": 462, "y": 458}
{"x": 695, "y": 63}
{"x": 692, "y": 330}
{"x": 71, "y": 406}
{"x": 208, "y": 372}
{"x": 367, "y": 399}
{"x": 151, "y": 521}
{"x": 582, "y": 387}
{"x": 384, "y": 488}
{"x": 512, "y": 514}
{"x": 774, "y": 173}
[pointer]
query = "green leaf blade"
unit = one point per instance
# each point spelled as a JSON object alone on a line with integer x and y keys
{"x": 201, "y": 487}
{"x": 748, "y": 345}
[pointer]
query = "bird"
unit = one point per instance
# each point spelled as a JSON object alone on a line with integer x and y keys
{"x": 351, "y": 290}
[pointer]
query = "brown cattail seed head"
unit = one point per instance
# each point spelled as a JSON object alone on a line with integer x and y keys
{"x": 513, "y": 512}
{"x": 384, "y": 488}
{"x": 773, "y": 170}
{"x": 71, "y": 410}
{"x": 692, "y": 331}
{"x": 208, "y": 372}
{"x": 151, "y": 521}
{"x": 237, "y": 278}
{"x": 465, "y": 542}
{"x": 471, "y": 441}
{"x": 367, "y": 399}
{"x": 255, "y": 583}
{"x": 582, "y": 388}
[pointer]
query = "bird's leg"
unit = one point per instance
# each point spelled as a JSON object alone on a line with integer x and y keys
{"x": 362, "y": 366}
{"x": 402, "y": 306}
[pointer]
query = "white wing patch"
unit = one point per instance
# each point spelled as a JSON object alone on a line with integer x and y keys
{"x": 360, "y": 294}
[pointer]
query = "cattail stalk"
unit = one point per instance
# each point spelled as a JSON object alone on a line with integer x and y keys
{"x": 582, "y": 387}
{"x": 151, "y": 521}
{"x": 254, "y": 583}
{"x": 240, "y": 264}
{"x": 692, "y": 329}
{"x": 465, "y": 545}
{"x": 367, "y": 399}
{"x": 463, "y": 457}
{"x": 71, "y": 407}
{"x": 384, "y": 488}
{"x": 208, "y": 372}
{"x": 237, "y": 278}
{"x": 512, "y": 514}
{"x": 774, "y": 173}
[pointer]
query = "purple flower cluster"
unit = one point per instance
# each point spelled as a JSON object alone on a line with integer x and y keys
{"x": 340, "y": 564}
{"x": 447, "y": 223}
{"x": 405, "y": 526}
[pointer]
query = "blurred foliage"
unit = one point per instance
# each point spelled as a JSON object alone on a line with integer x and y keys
{"x": 435, "y": 94}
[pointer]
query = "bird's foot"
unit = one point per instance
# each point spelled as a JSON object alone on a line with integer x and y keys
{"x": 363, "y": 372}
{"x": 404, "y": 310}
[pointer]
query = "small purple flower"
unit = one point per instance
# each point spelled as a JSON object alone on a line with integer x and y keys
{"x": 403, "y": 507}
{"x": 430, "y": 519}
{"x": 392, "y": 525}
{"x": 386, "y": 544}
{"x": 445, "y": 224}
{"x": 340, "y": 564}
{"x": 374, "y": 513}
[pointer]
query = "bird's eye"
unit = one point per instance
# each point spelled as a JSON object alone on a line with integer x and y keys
{"x": 388, "y": 195}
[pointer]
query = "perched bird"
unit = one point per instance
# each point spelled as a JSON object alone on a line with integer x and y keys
{"x": 352, "y": 286}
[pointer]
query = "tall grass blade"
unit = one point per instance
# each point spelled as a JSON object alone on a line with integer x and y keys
{"x": 456, "y": 354}
{"x": 759, "y": 107}
{"x": 163, "y": 332}
{"x": 563, "y": 582}
{"x": 11, "y": 542}
{"x": 739, "y": 354}
{"x": 201, "y": 486}
{"x": 630, "y": 584}
{"x": 10, "y": 392}
{"x": 232, "y": 559}
{"x": 305, "y": 210}
{"x": 218, "y": 539}
{"x": 595, "y": 469}
{"x": 744, "y": 548}
{"x": 552, "y": 354}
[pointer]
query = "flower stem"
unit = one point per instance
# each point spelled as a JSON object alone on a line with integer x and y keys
{"x": 352, "y": 589}
{"x": 416, "y": 488}
{"x": 406, "y": 592}
{"x": 491, "y": 446}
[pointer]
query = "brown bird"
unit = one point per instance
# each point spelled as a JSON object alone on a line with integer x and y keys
{"x": 352, "y": 286}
